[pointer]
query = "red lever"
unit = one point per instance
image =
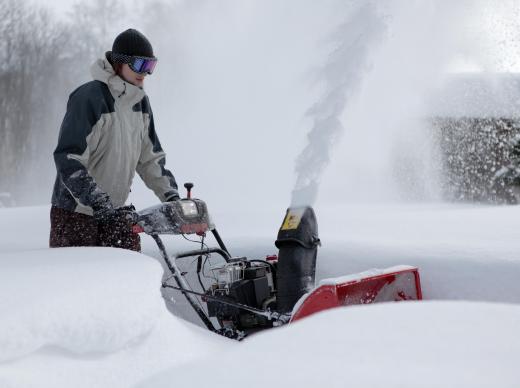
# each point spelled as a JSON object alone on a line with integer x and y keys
{"x": 188, "y": 186}
{"x": 137, "y": 229}
{"x": 272, "y": 258}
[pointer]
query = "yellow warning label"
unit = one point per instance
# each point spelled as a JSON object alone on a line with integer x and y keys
{"x": 292, "y": 219}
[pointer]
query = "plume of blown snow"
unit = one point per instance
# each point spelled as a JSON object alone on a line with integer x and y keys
{"x": 341, "y": 75}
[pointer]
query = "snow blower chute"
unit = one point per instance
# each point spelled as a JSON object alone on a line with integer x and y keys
{"x": 241, "y": 296}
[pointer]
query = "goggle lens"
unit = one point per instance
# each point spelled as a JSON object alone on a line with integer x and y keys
{"x": 143, "y": 65}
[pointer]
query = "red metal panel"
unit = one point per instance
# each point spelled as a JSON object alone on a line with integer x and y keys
{"x": 194, "y": 228}
{"x": 392, "y": 286}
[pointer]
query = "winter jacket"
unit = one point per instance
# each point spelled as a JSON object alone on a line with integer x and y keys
{"x": 107, "y": 134}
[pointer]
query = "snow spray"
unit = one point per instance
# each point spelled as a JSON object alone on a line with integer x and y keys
{"x": 342, "y": 76}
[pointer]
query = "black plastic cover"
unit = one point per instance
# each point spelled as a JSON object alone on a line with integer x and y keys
{"x": 254, "y": 272}
{"x": 299, "y": 226}
{"x": 298, "y": 244}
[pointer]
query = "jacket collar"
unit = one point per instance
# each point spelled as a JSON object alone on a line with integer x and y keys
{"x": 122, "y": 91}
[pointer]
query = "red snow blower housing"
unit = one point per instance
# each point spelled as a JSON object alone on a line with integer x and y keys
{"x": 241, "y": 296}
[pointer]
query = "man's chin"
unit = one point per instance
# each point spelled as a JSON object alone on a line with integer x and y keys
{"x": 136, "y": 82}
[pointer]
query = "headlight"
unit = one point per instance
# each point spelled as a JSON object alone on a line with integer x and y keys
{"x": 189, "y": 209}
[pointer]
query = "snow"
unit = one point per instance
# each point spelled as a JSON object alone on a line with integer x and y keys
{"x": 94, "y": 317}
{"x": 431, "y": 344}
{"x": 463, "y": 252}
{"x": 53, "y": 302}
{"x": 87, "y": 317}
{"x": 478, "y": 95}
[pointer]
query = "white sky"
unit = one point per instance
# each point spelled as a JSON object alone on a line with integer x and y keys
{"x": 495, "y": 25}
{"x": 60, "y": 6}
{"x": 219, "y": 84}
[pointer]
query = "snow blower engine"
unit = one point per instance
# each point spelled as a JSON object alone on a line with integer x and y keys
{"x": 242, "y": 296}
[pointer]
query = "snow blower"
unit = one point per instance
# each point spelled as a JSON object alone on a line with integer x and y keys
{"x": 243, "y": 296}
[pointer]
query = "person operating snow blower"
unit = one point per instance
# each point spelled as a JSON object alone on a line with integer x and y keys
{"x": 106, "y": 136}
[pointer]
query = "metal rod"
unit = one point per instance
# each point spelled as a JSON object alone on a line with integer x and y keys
{"x": 206, "y": 251}
{"x": 183, "y": 287}
{"x": 219, "y": 240}
{"x": 271, "y": 315}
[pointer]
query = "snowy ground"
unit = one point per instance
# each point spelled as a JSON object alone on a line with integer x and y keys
{"x": 92, "y": 317}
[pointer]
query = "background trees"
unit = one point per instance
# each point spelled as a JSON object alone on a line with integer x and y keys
{"x": 43, "y": 58}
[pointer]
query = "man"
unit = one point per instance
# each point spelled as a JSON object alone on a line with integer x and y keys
{"x": 106, "y": 136}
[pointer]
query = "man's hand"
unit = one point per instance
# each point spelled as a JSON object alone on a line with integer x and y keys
{"x": 124, "y": 214}
{"x": 129, "y": 213}
{"x": 116, "y": 227}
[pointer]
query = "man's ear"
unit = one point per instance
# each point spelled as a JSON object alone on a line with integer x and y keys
{"x": 118, "y": 68}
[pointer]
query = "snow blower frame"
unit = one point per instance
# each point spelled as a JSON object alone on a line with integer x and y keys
{"x": 246, "y": 295}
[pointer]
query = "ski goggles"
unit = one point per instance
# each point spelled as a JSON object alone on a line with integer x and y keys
{"x": 139, "y": 65}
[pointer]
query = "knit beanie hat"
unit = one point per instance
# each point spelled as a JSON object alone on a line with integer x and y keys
{"x": 130, "y": 43}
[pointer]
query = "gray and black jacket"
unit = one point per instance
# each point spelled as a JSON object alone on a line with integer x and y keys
{"x": 106, "y": 136}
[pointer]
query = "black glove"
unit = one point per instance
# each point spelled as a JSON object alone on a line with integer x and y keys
{"x": 102, "y": 208}
{"x": 129, "y": 213}
{"x": 120, "y": 215}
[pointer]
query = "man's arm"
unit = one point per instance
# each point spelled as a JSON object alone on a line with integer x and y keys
{"x": 72, "y": 153}
{"x": 151, "y": 166}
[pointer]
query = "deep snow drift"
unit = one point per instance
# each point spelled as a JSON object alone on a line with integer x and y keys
{"x": 236, "y": 78}
{"x": 87, "y": 317}
{"x": 431, "y": 344}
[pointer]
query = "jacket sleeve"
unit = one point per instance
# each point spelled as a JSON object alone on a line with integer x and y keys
{"x": 151, "y": 166}
{"x": 72, "y": 153}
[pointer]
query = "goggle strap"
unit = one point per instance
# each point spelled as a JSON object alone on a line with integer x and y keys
{"x": 136, "y": 63}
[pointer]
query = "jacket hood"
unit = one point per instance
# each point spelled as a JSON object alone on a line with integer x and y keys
{"x": 122, "y": 91}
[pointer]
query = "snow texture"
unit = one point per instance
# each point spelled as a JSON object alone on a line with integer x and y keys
{"x": 88, "y": 317}
{"x": 428, "y": 344}
{"x": 92, "y": 317}
{"x": 85, "y": 317}
{"x": 80, "y": 300}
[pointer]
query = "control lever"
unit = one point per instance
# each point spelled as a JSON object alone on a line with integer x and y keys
{"x": 188, "y": 186}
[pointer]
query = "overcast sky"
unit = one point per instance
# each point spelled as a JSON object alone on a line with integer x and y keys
{"x": 60, "y": 6}
{"x": 499, "y": 18}
{"x": 237, "y": 77}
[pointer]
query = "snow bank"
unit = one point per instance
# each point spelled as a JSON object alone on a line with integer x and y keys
{"x": 88, "y": 317}
{"x": 427, "y": 344}
{"x": 24, "y": 228}
{"x": 82, "y": 300}
{"x": 92, "y": 317}
{"x": 462, "y": 252}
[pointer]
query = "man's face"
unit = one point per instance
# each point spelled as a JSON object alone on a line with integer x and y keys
{"x": 131, "y": 76}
